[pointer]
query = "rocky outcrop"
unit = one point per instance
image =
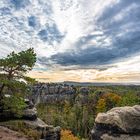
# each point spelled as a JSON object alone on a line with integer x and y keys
{"x": 84, "y": 90}
{"x": 51, "y": 93}
{"x": 53, "y": 134}
{"x": 31, "y": 121}
{"x": 30, "y": 114}
{"x": 48, "y": 132}
{"x": 120, "y": 123}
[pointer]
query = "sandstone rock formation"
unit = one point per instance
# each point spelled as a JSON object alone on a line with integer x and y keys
{"x": 30, "y": 113}
{"x": 48, "y": 132}
{"x": 7, "y": 134}
{"x": 84, "y": 90}
{"x": 50, "y": 93}
{"x": 120, "y": 123}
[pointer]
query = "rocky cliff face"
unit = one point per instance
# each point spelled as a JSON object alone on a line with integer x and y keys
{"x": 50, "y": 93}
{"x": 120, "y": 123}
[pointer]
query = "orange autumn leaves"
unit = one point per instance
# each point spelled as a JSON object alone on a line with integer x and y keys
{"x": 67, "y": 135}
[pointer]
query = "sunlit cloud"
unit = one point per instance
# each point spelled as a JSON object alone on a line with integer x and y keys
{"x": 75, "y": 40}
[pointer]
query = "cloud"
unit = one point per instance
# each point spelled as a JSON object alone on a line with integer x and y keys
{"x": 116, "y": 38}
{"x": 121, "y": 47}
{"x": 5, "y": 11}
{"x": 72, "y": 34}
{"x": 32, "y": 21}
{"x": 126, "y": 71}
{"x": 18, "y": 4}
{"x": 50, "y": 34}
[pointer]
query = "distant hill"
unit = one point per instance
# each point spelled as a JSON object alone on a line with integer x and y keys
{"x": 96, "y": 83}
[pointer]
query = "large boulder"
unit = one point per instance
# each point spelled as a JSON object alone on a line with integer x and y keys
{"x": 53, "y": 134}
{"x": 120, "y": 123}
{"x": 30, "y": 113}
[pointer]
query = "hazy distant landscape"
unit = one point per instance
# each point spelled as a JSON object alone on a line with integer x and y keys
{"x": 98, "y": 84}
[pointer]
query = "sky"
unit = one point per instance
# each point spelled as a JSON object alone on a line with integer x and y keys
{"x": 75, "y": 40}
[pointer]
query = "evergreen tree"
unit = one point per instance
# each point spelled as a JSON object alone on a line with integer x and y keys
{"x": 12, "y": 77}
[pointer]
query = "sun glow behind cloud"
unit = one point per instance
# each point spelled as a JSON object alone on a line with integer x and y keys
{"x": 127, "y": 71}
{"x": 75, "y": 40}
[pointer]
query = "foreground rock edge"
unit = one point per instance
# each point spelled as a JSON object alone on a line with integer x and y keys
{"x": 119, "y": 123}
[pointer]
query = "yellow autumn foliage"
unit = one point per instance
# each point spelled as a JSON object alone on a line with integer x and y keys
{"x": 107, "y": 101}
{"x": 67, "y": 135}
{"x": 101, "y": 105}
{"x": 113, "y": 97}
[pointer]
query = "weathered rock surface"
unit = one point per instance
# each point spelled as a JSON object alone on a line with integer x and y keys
{"x": 48, "y": 132}
{"x": 7, "y": 134}
{"x": 50, "y": 93}
{"x": 30, "y": 113}
{"x": 120, "y": 123}
{"x": 121, "y": 137}
{"x": 53, "y": 134}
{"x": 84, "y": 90}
